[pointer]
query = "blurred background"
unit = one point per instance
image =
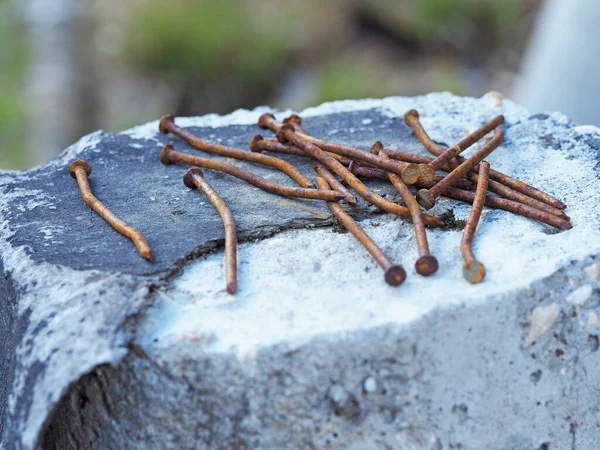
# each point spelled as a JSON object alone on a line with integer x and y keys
{"x": 69, "y": 67}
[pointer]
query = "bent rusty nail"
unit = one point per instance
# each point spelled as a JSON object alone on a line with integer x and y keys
{"x": 334, "y": 183}
{"x": 259, "y": 143}
{"x": 473, "y": 270}
{"x": 80, "y": 170}
{"x": 427, "y": 264}
{"x": 512, "y": 206}
{"x": 194, "y": 179}
{"x": 296, "y": 121}
{"x": 287, "y": 133}
{"x": 448, "y": 155}
{"x": 168, "y": 155}
{"x": 406, "y": 171}
{"x": 426, "y": 197}
{"x": 167, "y": 124}
{"x": 394, "y": 274}
{"x": 412, "y": 119}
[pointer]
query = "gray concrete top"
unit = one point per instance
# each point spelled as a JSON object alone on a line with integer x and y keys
{"x": 75, "y": 292}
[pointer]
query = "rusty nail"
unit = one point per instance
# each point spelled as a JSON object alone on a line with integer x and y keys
{"x": 448, "y": 155}
{"x": 511, "y": 194}
{"x": 80, "y": 170}
{"x": 394, "y": 274}
{"x": 427, "y": 197}
{"x": 259, "y": 143}
{"x": 334, "y": 183}
{"x": 473, "y": 270}
{"x": 512, "y": 206}
{"x": 194, "y": 179}
{"x": 427, "y": 264}
{"x": 168, "y": 155}
{"x": 406, "y": 171}
{"x": 412, "y": 120}
{"x": 296, "y": 121}
{"x": 422, "y": 173}
{"x": 167, "y": 124}
{"x": 287, "y": 133}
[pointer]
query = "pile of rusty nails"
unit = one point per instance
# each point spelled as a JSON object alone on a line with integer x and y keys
{"x": 467, "y": 179}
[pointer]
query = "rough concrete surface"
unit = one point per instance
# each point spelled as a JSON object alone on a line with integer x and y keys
{"x": 103, "y": 350}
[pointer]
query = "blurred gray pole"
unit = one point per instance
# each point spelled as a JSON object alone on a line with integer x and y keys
{"x": 561, "y": 70}
{"x": 51, "y": 92}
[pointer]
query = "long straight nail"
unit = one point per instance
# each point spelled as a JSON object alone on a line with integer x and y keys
{"x": 427, "y": 197}
{"x": 412, "y": 120}
{"x": 448, "y": 155}
{"x": 167, "y": 125}
{"x": 195, "y": 180}
{"x": 334, "y": 183}
{"x": 287, "y": 133}
{"x": 168, "y": 155}
{"x": 427, "y": 264}
{"x": 259, "y": 143}
{"x": 408, "y": 172}
{"x": 394, "y": 274}
{"x": 473, "y": 270}
{"x": 80, "y": 170}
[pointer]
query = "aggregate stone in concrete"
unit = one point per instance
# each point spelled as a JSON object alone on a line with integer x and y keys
{"x": 104, "y": 350}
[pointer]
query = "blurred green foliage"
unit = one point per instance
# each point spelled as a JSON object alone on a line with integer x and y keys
{"x": 203, "y": 38}
{"x": 13, "y": 63}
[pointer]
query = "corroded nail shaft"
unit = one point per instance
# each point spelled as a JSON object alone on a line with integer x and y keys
{"x": 167, "y": 125}
{"x": 426, "y": 197}
{"x": 473, "y": 270}
{"x": 287, "y": 133}
{"x": 412, "y": 120}
{"x": 493, "y": 186}
{"x": 334, "y": 183}
{"x": 448, "y": 155}
{"x": 195, "y": 180}
{"x": 259, "y": 143}
{"x": 80, "y": 170}
{"x": 408, "y": 172}
{"x": 168, "y": 155}
{"x": 427, "y": 264}
{"x": 394, "y": 274}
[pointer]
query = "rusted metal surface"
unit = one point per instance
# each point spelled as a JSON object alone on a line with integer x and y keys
{"x": 80, "y": 170}
{"x": 167, "y": 125}
{"x": 512, "y": 206}
{"x": 423, "y": 173}
{"x": 473, "y": 270}
{"x": 296, "y": 121}
{"x": 407, "y": 171}
{"x": 394, "y": 274}
{"x": 287, "y": 133}
{"x": 412, "y": 119}
{"x": 194, "y": 179}
{"x": 334, "y": 183}
{"x": 258, "y": 143}
{"x": 168, "y": 155}
{"x": 427, "y": 264}
{"x": 448, "y": 155}
{"x": 511, "y": 194}
{"x": 427, "y": 197}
